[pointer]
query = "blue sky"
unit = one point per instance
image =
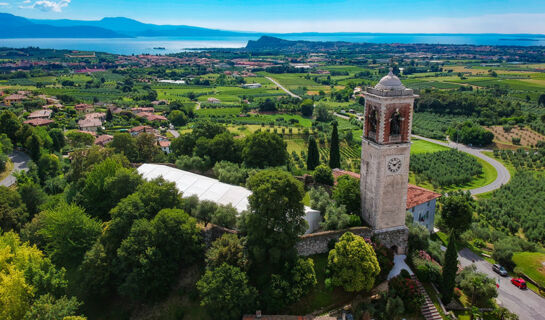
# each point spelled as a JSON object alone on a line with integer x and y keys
{"x": 426, "y": 16}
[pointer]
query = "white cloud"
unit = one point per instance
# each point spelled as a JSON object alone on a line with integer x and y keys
{"x": 4, "y": 4}
{"x": 47, "y": 5}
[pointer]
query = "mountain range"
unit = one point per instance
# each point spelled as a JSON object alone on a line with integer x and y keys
{"x": 119, "y": 27}
{"x": 19, "y": 27}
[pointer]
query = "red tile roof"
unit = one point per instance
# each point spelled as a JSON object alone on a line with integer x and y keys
{"x": 151, "y": 116}
{"x": 103, "y": 139}
{"x": 39, "y": 122}
{"x": 415, "y": 195}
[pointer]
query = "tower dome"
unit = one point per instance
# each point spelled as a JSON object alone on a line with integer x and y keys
{"x": 390, "y": 82}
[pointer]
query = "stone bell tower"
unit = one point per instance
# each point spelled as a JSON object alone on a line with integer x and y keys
{"x": 386, "y": 146}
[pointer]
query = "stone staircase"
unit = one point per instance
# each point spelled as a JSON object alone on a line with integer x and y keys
{"x": 429, "y": 311}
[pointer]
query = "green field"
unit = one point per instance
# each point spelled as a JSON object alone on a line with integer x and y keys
{"x": 421, "y": 146}
{"x": 531, "y": 264}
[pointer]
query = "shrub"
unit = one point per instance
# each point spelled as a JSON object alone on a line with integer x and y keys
{"x": 323, "y": 174}
{"x": 407, "y": 290}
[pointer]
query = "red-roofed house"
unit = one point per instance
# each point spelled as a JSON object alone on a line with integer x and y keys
{"x": 41, "y": 114}
{"x": 151, "y": 116}
{"x": 82, "y": 107}
{"x": 141, "y": 129}
{"x": 420, "y": 202}
{"x": 9, "y": 100}
{"x": 90, "y": 124}
{"x": 103, "y": 140}
{"x": 165, "y": 145}
{"x": 142, "y": 109}
{"x": 39, "y": 122}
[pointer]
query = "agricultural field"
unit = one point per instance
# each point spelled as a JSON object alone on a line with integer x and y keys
{"x": 434, "y": 126}
{"x": 532, "y": 264}
{"x": 513, "y": 137}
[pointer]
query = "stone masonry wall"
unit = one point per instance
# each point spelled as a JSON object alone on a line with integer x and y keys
{"x": 315, "y": 243}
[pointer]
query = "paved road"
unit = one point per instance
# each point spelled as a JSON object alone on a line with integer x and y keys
{"x": 20, "y": 161}
{"x": 175, "y": 133}
{"x": 503, "y": 173}
{"x": 282, "y": 87}
{"x": 527, "y": 304}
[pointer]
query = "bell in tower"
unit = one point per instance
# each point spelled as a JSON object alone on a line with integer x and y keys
{"x": 385, "y": 159}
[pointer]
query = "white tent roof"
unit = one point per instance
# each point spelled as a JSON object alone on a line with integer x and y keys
{"x": 204, "y": 188}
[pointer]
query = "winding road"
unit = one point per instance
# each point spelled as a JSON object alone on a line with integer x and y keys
{"x": 503, "y": 174}
{"x": 527, "y": 304}
{"x": 282, "y": 87}
{"x": 20, "y": 163}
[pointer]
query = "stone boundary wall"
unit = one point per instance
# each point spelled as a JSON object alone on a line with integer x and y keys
{"x": 315, "y": 243}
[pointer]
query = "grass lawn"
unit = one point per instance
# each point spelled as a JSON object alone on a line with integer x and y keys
{"x": 532, "y": 264}
{"x": 320, "y": 297}
{"x": 5, "y": 173}
{"x": 421, "y": 146}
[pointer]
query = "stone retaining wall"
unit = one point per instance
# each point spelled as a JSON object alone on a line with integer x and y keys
{"x": 315, "y": 243}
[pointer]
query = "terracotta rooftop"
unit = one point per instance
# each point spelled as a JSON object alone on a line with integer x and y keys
{"x": 164, "y": 144}
{"x": 151, "y": 116}
{"x": 415, "y": 195}
{"x": 103, "y": 139}
{"x": 142, "y": 128}
{"x": 43, "y": 113}
{"x": 39, "y": 122}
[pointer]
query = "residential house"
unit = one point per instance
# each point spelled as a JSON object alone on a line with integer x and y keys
{"x": 41, "y": 114}
{"x": 142, "y": 129}
{"x": 165, "y": 145}
{"x": 96, "y": 115}
{"x": 13, "y": 98}
{"x": 103, "y": 140}
{"x": 85, "y": 108}
{"x": 251, "y": 85}
{"x": 142, "y": 109}
{"x": 39, "y": 122}
{"x": 214, "y": 100}
{"x": 151, "y": 116}
{"x": 90, "y": 124}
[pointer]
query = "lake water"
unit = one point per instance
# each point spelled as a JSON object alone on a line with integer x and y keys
{"x": 173, "y": 45}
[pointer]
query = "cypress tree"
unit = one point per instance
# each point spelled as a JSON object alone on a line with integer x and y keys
{"x": 334, "y": 153}
{"x": 313, "y": 155}
{"x": 449, "y": 270}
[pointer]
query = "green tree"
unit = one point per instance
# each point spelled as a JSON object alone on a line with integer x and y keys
{"x": 205, "y": 210}
{"x": 225, "y": 216}
{"x": 449, "y": 270}
{"x": 226, "y": 293}
{"x": 178, "y": 118}
{"x": 147, "y": 148}
{"x": 183, "y": 145}
{"x": 334, "y": 151}
{"x": 32, "y": 196}
{"x": 228, "y": 249}
{"x": 264, "y": 149}
{"x": 307, "y": 107}
{"x": 154, "y": 251}
{"x": 323, "y": 174}
{"x": 347, "y": 193}
{"x": 48, "y": 167}
{"x": 313, "y": 155}
{"x": 353, "y": 263}
{"x": 34, "y": 146}
{"x": 68, "y": 233}
{"x": 124, "y": 143}
{"x": 321, "y": 113}
{"x": 541, "y": 100}
{"x": 394, "y": 307}
{"x": 456, "y": 214}
{"x": 46, "y": 307}
{"x": 106, "y": 184}
{"x": 13, "y": 212}
{"x": 79, "y": 139}
{"x": 477, "y": 286}
{"x": 418, "y": 237}
{"x": 57, "y": 136}
{"x": 207, "y": 129}
{"x": 275, "y": 221}
{"x": 9, "y": 124}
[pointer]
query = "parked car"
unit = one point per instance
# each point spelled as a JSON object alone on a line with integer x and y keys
{"x": 499, "y": 270}
{"x": 518, "y": 282}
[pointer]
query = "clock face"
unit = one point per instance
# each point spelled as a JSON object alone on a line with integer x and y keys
{"x": 394, "y": 165}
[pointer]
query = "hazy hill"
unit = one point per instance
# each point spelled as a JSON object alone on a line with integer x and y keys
{"x": 18, "y": 27}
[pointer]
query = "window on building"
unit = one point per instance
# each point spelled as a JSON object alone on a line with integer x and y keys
{"x": 395, "y": 123}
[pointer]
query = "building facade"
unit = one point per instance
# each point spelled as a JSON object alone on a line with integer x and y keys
{"x": 386, "y": 146}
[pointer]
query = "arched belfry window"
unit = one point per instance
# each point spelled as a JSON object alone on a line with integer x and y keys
{"x": 395, "y": 124}
{"x": 373, "y": 121}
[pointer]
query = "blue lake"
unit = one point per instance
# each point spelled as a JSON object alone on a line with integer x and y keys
{"x": 172, "y": 45}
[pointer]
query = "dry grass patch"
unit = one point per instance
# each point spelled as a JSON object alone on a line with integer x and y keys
{"x": 506, "y": 138}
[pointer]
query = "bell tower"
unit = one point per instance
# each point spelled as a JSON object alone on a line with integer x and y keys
{"x": 386, "y": 146}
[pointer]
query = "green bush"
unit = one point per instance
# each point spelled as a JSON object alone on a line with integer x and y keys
{"x": 323, "y": 174}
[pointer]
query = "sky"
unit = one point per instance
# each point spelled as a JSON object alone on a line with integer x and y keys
{"x": 388, "y": 16}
